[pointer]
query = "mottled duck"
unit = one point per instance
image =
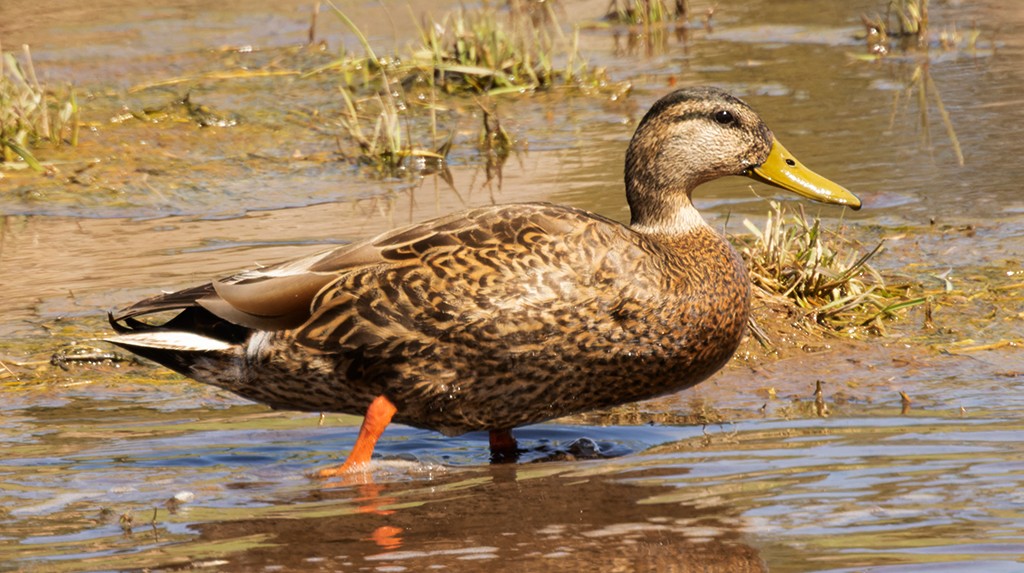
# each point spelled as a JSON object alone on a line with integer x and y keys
{"x": 501, "y": 316}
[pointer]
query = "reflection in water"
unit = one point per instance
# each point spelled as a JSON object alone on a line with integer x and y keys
{"x": 921, "y": 87}
{"x": 528, "y": 518}
{"x": 650, "y": 42}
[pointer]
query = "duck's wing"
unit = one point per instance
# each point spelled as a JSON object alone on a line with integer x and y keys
{"x": 286, "y": 295}
{"x": 515, "y": 273}
{"x": 269, "y": 298}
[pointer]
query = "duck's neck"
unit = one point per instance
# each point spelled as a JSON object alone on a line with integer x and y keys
{"x": 658, "y": 191}
{"x": 662, "y": 211}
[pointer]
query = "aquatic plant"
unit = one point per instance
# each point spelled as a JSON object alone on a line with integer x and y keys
{"x": 910, "y": 18}
{"x": 388, "y": 146}
{"x": 383, "y": 134}
{"x": 647, "y": 12}
{"x": 905, "y": 26}
{"x": 494, "y": 142}
{"x": 904, "y": 20}
{"x": 795, "y": 258}
{"x": 30, "y": 114}
{"x": 478, "y": 51}
{"x": 493, "y": 139}
{"x": 512, "y": 51}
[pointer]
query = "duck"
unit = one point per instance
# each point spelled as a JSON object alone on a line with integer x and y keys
{"x": 500, "y": 316}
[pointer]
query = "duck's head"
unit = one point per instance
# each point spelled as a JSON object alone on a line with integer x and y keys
{"x": 694, "y": 135}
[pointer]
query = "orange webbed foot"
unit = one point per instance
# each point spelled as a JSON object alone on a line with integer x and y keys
{"x": 378, "y": 416}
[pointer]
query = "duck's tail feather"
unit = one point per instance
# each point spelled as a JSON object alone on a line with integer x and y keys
{"x": 191, "y": 336}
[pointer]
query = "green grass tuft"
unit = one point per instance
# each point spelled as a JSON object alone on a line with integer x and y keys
{"x": 647, "y": 12}
{"x": 481, "y": 51}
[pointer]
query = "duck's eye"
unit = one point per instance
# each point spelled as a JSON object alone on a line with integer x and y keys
{"x": 724, "y": 117}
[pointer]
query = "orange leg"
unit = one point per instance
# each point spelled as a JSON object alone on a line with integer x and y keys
{"x": 378, "y": 416}
{"x": 503, "y": 446}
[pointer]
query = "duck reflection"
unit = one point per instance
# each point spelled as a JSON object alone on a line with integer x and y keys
{"x": 528, "y": 517}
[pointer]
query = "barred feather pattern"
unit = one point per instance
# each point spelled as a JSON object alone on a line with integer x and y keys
{"x": 495, "y": 317}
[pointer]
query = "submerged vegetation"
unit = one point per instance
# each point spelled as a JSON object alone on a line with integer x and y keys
{"x": 30, "y": 114}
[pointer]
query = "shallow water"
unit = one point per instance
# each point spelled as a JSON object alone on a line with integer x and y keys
{"x": 91, "y": 456}
{"x": 789, "y": 495}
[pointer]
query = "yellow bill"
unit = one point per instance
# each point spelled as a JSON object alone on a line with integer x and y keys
{"x": 783, "y": 170}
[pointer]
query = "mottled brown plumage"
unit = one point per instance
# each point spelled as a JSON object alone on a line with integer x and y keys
{"x": 500, "y": 316}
